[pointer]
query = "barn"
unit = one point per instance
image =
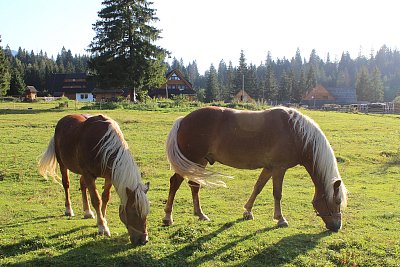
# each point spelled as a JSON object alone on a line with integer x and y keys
{"x": 320, "y": 96}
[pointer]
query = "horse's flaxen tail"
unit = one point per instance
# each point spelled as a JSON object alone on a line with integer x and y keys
{"x": 183, "y": 166}
{"x": 48, "y": 161}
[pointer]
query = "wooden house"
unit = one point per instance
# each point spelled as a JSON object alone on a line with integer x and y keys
{"x": 243, "y": 96}
{"x": 320, "y": 96}
{"x": 30, "y": 93}
{"x": 176, "y": 84}
{"x": 73, "y": 85}
{"x": 107, "y": 95}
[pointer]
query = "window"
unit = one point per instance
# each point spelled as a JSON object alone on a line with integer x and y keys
{"x": 174, "y": 77}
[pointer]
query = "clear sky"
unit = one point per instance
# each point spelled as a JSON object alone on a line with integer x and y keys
{"x": 211, "y": 30}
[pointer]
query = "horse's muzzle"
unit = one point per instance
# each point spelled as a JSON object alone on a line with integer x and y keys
{"x": 140, "y": 240}
{"x": 334, "y": 226}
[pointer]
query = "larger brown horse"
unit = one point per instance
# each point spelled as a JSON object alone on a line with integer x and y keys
{"x": 95, "y": 147}
{"x": 274, "y": 140}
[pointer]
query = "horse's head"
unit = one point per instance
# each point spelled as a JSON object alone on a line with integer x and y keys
{"x": 328, "y": 207}
{"x": 135, "y": 222}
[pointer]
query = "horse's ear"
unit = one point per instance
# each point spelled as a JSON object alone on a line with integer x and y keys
{"x": 146, "y": 187}
{"x": 336, "y": 185}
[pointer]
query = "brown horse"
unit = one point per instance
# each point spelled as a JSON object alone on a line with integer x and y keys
{"x": 95, "y": 147}
{"x": 274, "y": 140}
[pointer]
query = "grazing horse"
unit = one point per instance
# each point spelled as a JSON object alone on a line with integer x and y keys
{"x": 95, "y": 147}
{"x": 274, "y": 140}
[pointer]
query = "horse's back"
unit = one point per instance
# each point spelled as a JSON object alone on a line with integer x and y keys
{"x": 241, "y": 139}
{"x": 76, "y": 138}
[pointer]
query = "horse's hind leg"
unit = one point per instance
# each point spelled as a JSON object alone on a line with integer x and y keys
{"x": 262, "y": 180}
{"x": 195, "y": 187}
{"x": 277, "y": 180}
{"x": 174, "y": 184}
{"x": 88, "y": 213}
{"x": 65, "y": 183}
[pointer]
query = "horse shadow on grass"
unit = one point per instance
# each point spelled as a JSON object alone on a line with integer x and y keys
{"x": 103, "y": 251}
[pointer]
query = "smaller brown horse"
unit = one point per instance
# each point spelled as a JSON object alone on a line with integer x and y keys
{"x": 274, "y": 140}
{"x": 95, "y": 147}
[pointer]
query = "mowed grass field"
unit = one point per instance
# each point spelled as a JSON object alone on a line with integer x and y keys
{"x": 34, "y": 231}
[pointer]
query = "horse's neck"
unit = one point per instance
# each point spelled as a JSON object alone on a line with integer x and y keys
{"x": 315, "y": 176}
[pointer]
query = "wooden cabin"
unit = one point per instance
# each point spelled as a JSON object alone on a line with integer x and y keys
{"x": 176, "y": 84}
{"x": 243, "y": 96}
{"x": 107, "y": 95}
{"x": 72, "y": 85}
{"x": 30, "y": 93}
{"x": 320, "y": 96}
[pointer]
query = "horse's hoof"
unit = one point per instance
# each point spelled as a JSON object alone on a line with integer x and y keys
{"x": 88, "y": 214}
{"x": 248, "y": 215}
{"x": 104, "y": 230}
{"x": 167, "y": 222}
{"x": 69, "y": 213}
{"x": 282, "y": 223}
{"x": 203, "y": 217}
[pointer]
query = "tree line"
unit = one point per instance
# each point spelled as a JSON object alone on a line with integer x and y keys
{"x": 21, "y": 68}
{"x": 375, "y": 78}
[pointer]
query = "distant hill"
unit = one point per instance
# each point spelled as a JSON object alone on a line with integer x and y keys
{"x": 14, "y": 53}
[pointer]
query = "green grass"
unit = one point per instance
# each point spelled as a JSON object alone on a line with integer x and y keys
{"x": 34, "y": 232}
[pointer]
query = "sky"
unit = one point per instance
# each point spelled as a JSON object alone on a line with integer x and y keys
{"x": 209, "y": 31}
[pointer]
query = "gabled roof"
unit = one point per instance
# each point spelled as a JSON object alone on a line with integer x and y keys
{"x": 30, "y": 89}
{"x": 343, "y": 96}
{"x": 180, "y": 75}
{"x": 69, "y": 83}
{"x": 186, "y": 87}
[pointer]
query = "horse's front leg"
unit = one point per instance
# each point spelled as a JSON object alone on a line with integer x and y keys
{"x": 96, "y": 202}
{"x": 195, "y": 187}
{"x": 105, "y": 196}
{"x": 277, "y": 180}
{"x": 265, "y": 175}
{"x": 65, "y": 183}
{"x": 174, "y": 184}
{"x": 88, "y": 213}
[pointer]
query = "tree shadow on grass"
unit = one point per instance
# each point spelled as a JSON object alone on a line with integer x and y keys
{"x": 28, "y": 111}
{"x": 285, "y": 250}
{"x": 101, "y": 251}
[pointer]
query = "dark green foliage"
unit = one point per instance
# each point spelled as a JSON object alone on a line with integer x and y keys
{"x": 124, "y": 55}
{"x": 212, "y": 90}
{"x": 5, "y": 75}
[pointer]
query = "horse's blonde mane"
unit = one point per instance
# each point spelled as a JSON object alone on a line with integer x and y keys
{"x": 324, "y": 159}
{"x": 124, "y": 171}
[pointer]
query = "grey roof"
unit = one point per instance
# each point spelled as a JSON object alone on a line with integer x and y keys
{"x": 343, "y": 96}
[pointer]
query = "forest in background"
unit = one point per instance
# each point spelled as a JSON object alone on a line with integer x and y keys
{"x": 376, "y": 78}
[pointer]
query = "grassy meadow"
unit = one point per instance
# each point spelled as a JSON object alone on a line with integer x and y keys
{"x": 34, "y": 231}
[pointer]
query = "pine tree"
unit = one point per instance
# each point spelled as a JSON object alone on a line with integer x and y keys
{"x": 271, "y": 88}
{"x": 17, "y": 84}
{"x": 376, "y": 86}
{"x": 5, "y": 75}
{"x": 311, "y": 79}
{"x": 124, "y": 55}
{"x": 363, "y": 85}
{"x": 212, "y": 85}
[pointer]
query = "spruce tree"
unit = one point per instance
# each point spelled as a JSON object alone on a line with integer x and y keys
{"x": 212, "y": 88}
{"x": 124, "y": 53}
{"x": 376, "y": 86}
{"x": 363, "y": 85}
{"x": 5, "y": 74}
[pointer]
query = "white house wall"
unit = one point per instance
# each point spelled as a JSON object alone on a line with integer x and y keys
{"x": 84, "y": 97}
